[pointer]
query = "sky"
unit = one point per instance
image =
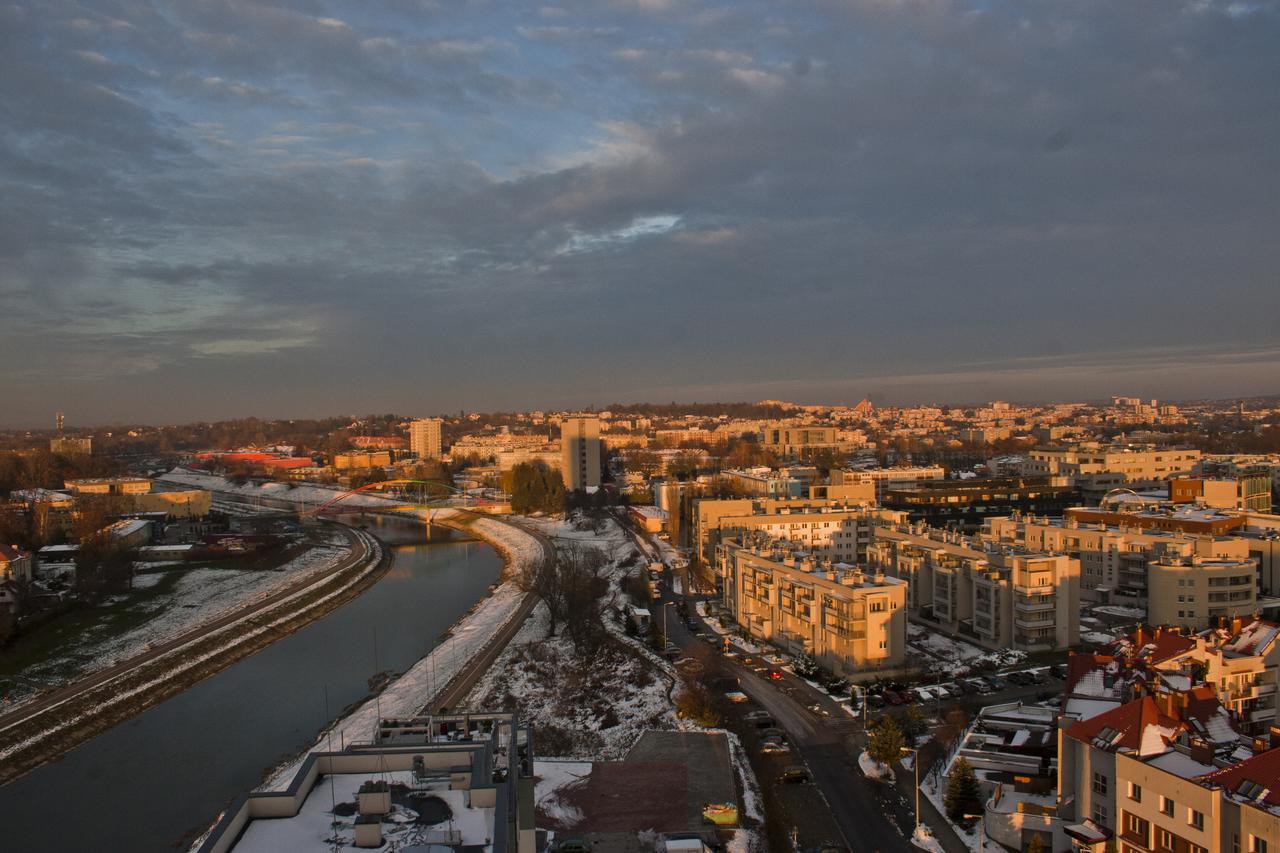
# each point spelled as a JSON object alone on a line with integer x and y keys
{"x": 220, "y": 208}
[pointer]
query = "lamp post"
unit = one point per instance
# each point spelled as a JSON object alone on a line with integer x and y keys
{"x": 915, "y": 765}
{"x": 982, "y": 831}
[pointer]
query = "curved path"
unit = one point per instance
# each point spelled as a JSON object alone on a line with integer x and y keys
{"x": 360, "y": 553}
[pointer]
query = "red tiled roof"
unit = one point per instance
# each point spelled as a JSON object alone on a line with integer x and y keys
{"x": 1128, "y": 721}
{"x": 1080, "y": 665}
{"x": 1263, "y": 769}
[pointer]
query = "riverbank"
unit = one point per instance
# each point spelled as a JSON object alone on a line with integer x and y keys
{"x": 50, "y": 727}
{"x": 459, "y": 657}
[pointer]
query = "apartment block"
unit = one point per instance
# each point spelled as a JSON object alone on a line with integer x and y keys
{"x": 1096, "y": 468}
{"x": 1247, "y": 493}
{"x": 884, "y": 479}
{"x": 425, "y": 440}
{"x": 1196, "y": 592}
{"x": 997, "y": 597}
{"x": 833, "y": 528}
{"x": 790, "y": 441}
{"x": 849, "y": 620}
{"x": 581, "y": 460}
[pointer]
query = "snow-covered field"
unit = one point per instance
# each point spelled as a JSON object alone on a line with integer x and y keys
{"x": 198, "y": 596}
{"x": 311, "y": 494}
{"x": 552, "y": 781}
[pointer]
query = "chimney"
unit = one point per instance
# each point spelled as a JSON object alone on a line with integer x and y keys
{"x": 1236, "y": 624}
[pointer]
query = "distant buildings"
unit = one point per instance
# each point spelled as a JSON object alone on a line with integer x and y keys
{"x": 965, "y": 504}
{"x": 65, "y": 445}
{"x": 1247, "y": 492}
{"x": 792, "y": 441}
{"x": 425, "y": 438}
{"x": 848, "y": 619}
{"x": 836, "y": 529}
{"x": 1097, "y": 469}
{"x": 581, "y": 460}
{"x": 885, "y": 479}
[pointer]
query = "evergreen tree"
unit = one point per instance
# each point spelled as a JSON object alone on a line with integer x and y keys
{"x": 886, "y": 741}
{"x": 964, "y": 795}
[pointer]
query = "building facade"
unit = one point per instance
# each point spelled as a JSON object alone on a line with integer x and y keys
{"x": 847, "y": 619}
{"x": 425, "y": 439}
{"x": 581, "y": 459}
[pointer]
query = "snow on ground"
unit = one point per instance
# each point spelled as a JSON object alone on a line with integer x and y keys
{"x": 1119, "y": 610}
{"x": 594, "y": 708}
{"x": 198, "y": 596}
{"x": 947, "y": 652}
{"x": 873, "y": 769}
{"x": 1097, "y": 637}
{"x": 552, "y": 780}
{"x": 311, "y": 494}
{"x": 934, "y": 789}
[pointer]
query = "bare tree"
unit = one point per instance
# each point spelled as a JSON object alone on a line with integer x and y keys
{"x": 584, "y": 585}
{"x": 542, "y": 578}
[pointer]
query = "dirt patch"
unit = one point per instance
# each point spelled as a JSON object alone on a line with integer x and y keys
{"x": 621, "y": 797}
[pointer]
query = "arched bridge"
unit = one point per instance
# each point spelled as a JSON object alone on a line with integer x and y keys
{"x": 428, "y": 494}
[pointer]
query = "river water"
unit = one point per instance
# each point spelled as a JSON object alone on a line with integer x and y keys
{"x": 155, "y": 781}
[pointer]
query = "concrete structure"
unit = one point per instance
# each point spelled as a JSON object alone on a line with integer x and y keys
{"x": 1097, "y": 469}
{"x": 763, "y": 482}
{"x": 581, "y": 459}
{"x": 649, "y": 518}
{"x": 424, "y": 438}
{"x": 847, "y": 619}
{"x": 480, "y": 764}
{"x": 998, "y": 597}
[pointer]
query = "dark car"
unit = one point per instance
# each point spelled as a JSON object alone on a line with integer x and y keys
{"x": 1059, "y": 670}
{"x": 795, "y": 775}
{"x": 572, "y": 845}
{"x": 996, "y": 682}
{"x": 876, "y": 702}
{"x": 892, "y": 698}
{"x": 1038, "y": 677}
{"x": 772, "y": 732}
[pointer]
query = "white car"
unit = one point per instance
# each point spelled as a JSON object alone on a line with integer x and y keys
{"x": 923, "y": 694}
{"x": 735, "y": 696}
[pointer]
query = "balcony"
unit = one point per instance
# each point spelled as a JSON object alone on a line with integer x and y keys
{"x": 1033, "y": 623}
{"x": 1033, "y": 606}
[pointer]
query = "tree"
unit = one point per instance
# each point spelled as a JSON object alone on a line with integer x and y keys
{"x": 914, "y": 722}
{"x": 542, "y": 578}
{"x": 806, "y": 667}
{"x": 964, "y": 795}
{"x": 886, "y": 741}
{"x": 583, "y": 585}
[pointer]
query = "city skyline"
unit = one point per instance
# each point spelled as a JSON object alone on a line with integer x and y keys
{"x": 239, "y": 208}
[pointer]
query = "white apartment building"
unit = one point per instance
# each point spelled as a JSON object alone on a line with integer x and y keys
{"x": 424, "y": 438}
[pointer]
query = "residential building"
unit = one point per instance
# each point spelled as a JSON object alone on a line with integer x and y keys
{"x": 1195, "y": 592}
{"x": 790, "y": 441}
{"x": 763, "y": 482}
{"x": 1114, "y": 558}
{"x": 66, "y": 445}
{"x": 835, "y": 529}
{"x": 849, "y": 620}
{"x": 885, "y": 479}
{"x": 965, "y": 504}
{"x": 581, "y": 458}
{"x": 998, "y": 597}
{"x": 359, "y": 460}
{"x": 109, "y": 486}
{"x": 1247, "y": 493}
{"x": 1097, "y": 469}
{"x": 425, "y": 438}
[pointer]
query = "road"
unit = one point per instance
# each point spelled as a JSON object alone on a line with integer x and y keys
{"x": 33, "y": 709}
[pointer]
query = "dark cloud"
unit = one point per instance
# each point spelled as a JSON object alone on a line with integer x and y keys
{"x": 533, "y": 201}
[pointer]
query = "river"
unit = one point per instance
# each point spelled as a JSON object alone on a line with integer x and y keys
{"x": 157, "y": 780}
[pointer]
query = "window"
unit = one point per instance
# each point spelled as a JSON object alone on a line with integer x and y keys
{"x": 1196, "y": 848}
{"x": 1166, "y": 840}
{"x": 1257, "y": 845}
{"x": 1099, "y": 784}
{"x": 1166, "y": 806}
{"x": 1100, "y": 815}
{"x": 1135, "y": 792}
{"x": 1196, "y": 819}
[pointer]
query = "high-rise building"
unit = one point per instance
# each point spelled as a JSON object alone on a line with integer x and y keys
{"x": 580, "y": 455}
{"x": 424, "y": 438}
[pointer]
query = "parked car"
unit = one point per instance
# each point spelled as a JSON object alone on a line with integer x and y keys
{"x": 795, "y": 775}
{"x": 773, "y": 732}
{"x": 774, "y": 747}
{"x": 892, "y": 698}
{"x": 724, "y": 682}
{"x": 920, "y": 694}
{"x": 941, "y": 691}
{"x": 1037, "y": 677}
{"x": 757, "y": 716}
{"x": 572, "y": 845}
{"x": 876, "y": 702}
{"x": 775, "y": 674}
{"x": 997, "y": 683}
{"x": 982, "y": 685}
{"x": 968, "y": 687}
{"x": 736, "y": 696}
{"x": 1059, "y": 670}
{"x": 1022, "y": 679}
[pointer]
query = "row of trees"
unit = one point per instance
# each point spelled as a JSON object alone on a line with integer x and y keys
{"x": 572, "y": 589}
{"x": 536, "y": 488}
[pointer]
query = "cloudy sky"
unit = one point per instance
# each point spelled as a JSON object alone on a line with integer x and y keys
{"x": 213, "y": 208}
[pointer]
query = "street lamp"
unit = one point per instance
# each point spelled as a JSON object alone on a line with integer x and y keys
{"x": 982, "y": 830}
{"x": 915, "y": 765}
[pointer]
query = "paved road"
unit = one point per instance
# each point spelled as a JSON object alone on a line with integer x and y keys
{"x": 24, "y": 714}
